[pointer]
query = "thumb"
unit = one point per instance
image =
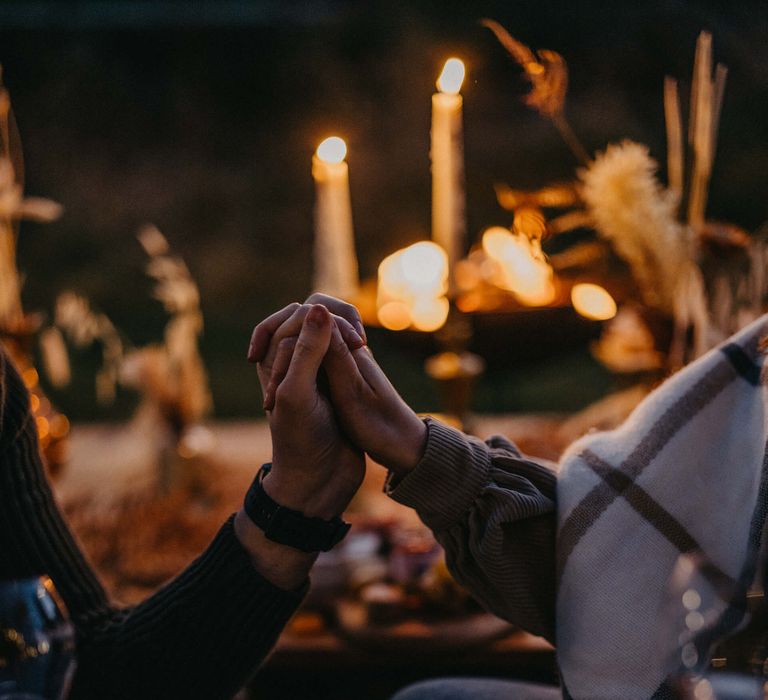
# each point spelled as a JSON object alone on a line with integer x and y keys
{"x": 311, "y": 346}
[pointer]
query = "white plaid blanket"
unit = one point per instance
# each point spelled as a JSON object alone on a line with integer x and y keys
{"x": 686, "y": 473}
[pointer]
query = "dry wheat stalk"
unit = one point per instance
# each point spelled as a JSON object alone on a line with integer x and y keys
{"x": 548, "y": 75}
{"x": 674, "y": 122}
{"x": 13, "y": 207}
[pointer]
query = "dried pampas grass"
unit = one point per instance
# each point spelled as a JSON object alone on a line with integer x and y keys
{"x": 638, "y": 217}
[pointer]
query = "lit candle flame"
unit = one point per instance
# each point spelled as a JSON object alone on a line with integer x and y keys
{"x": 452, "y": 77}
{"x": 593, "y": 302}
{"x": 332, "y": 150}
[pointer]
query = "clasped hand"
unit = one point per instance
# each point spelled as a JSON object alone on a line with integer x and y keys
{"x": 322, "y": 421}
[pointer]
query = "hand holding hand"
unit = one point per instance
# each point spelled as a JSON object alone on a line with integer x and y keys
{"x": 368, "y": 407}
{"x": 370, "y": 410}
{"x": 273, "y": 340}
{"x": 314, "y": 470}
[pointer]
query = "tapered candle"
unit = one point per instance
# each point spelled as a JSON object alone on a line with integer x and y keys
{"x": 447, "y": 153}
{"x": 335, "y": 262}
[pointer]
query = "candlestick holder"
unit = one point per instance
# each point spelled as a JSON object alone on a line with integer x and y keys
{"x": 455, "y": 369}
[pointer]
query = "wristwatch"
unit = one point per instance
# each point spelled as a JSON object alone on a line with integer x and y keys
{"x": 287, "y": 526}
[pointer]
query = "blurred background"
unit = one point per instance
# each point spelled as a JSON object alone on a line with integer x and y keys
{"x": 201, "y": 117}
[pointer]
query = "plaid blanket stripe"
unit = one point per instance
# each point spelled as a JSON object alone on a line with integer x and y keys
{"x": 658, "y": 516}
{"x": 734, "y": 362}
{"x": 684, "y": 409}
{"x": 737, "y": 604}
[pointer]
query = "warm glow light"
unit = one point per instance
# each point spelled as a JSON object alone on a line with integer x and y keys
{"x": 424, "y": 267}
{"x": 394, "y": 315}
{"x": 469, "y": 302}
{"x": 332, "y": 150}
{"x": 495, "y": 240}
{"x": 391, "y": 276}
{"x": 42, "y": 427}
{"x": 519, "y": 269}
{"x": 429, "y": 314}
{"x": 412, "y": 284}
{"x": 59, "y": 426}
{"x": 538, "y": 291}
{"x": 467, "y": 274}
{"x": 592, "y": 301}
{"x": 452, "y": 77}
{"x": 30, "y": 377}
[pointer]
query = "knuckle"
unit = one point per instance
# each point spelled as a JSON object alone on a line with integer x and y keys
{"x": 350, "y": 310}
{"x": 282, "y": 397}
{"x": 286, "y": 397}
{"x": 303, "y": 347}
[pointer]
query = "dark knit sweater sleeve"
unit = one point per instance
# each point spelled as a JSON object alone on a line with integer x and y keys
{"x": 493, "y": 511}
{"x": 201, "y": 636}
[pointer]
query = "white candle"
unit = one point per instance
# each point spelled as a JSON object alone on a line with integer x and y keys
{"x": 447, "y": 153}
{"x": 335, "y": 263}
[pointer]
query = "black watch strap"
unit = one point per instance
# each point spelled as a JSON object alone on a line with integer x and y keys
{"x": 287, "y": 526}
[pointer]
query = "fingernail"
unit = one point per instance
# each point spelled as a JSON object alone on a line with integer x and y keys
{"x": 360, "y": 330}
{"x": 250, "y": 356}
{"x": 316, "y": 316}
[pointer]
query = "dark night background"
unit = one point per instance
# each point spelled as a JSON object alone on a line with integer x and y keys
{"x": 201, "y": 117}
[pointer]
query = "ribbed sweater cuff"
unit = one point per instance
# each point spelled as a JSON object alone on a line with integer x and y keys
{"x": 447, "y": 480}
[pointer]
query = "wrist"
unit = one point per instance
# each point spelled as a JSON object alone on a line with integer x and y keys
{"x": 285, "y": 567}
{"x": 406, "y": 452}
{"x": 314, "y": 500}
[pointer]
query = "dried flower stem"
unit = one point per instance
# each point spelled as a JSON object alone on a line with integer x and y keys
{"x": 706, "y": 101}
{"x": 10, "y": 286}
{"x": 12, "y": 208}
{"x": 721, "y": 73}
{"x": 675, "y": 150}
{"x": 570, "y": 138}
{"x": 548, "y": 75}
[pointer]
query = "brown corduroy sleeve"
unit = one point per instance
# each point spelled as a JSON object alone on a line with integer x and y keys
{"x": 202, "y": 636}
{"x": 493, "y": 511}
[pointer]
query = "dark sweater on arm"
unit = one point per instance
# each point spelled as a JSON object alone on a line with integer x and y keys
{"x": 201, "y": 636}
